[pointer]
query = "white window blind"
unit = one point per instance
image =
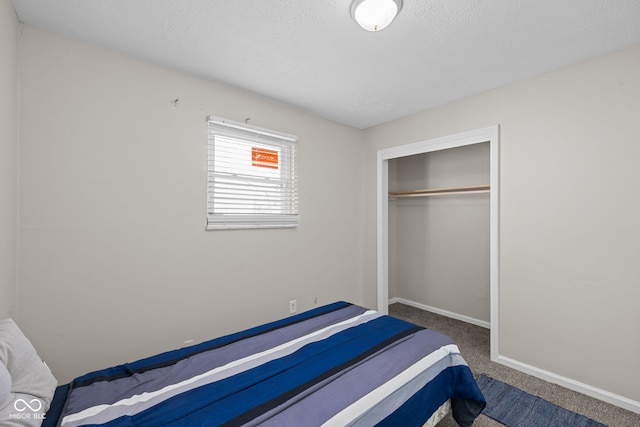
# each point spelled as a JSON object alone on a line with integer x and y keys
{"x": 251, "y": 177}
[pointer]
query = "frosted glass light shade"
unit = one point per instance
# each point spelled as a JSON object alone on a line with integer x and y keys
{"x": 375, "y": 15}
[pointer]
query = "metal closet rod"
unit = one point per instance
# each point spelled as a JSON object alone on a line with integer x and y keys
{"x": 468, "y": 189}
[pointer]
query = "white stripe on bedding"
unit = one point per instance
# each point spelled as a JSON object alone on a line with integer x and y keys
{"x": 221, "y": 372}
{"x": 359, "y": 408}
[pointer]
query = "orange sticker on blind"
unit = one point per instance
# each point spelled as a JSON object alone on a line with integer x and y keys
{"x": 264, "y": 158}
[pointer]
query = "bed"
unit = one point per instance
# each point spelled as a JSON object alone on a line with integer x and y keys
{"x": 336, "y": 365}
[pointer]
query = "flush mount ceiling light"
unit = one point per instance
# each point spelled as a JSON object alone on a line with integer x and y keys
{"x": 375, "y": 15}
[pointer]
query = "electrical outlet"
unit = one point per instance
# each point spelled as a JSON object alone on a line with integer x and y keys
{"x": 293, "y": 306}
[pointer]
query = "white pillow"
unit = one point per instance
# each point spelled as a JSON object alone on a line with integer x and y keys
{"x": 5, "y": 387}
{"x": 32, "y": 383}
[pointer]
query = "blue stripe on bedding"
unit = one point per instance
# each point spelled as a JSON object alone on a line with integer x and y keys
{"x": 57, "y": 405}
{"x": 171, "y": 357}
{"x": 234, "y": 400}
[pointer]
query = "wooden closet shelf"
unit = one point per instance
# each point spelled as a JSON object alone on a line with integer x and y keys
{"x": 470, "y": 189}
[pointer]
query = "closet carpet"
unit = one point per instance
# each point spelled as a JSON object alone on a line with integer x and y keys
{"x": 473, "y": 342}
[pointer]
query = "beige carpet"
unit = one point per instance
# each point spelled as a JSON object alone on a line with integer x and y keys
{"x": 473, "y": 342}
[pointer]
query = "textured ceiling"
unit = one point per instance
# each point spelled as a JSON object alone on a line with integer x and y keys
{"x": 311, "y": 55}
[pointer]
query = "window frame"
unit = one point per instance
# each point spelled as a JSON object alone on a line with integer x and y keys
{"x": 283, "y": 202}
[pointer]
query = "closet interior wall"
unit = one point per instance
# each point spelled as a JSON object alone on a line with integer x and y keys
{"x": 439, "y": 245}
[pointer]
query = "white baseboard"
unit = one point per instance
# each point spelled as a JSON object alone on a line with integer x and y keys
{"x": 442, "y": 312}
{"x": 605, "y": 396}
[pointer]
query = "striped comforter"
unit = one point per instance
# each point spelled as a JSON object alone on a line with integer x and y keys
{"x": 337, "y": 365}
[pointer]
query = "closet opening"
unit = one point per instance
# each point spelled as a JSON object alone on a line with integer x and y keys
{"x": 438, "y": 227}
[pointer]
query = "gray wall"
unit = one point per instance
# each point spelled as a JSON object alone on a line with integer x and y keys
{"x": 569, "y": 234}
{"x": 8, "y": 156}
{"x": 440, "y": 255}
{"x": 115, "y": 263}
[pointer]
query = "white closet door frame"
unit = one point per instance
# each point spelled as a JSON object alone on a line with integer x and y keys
{"x": 488, "y": 134}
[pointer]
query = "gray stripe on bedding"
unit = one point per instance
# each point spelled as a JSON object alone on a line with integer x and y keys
{"x": 108, "y": 392}
{"x": 113, "y": 412}
{"x": 320, "y": 404}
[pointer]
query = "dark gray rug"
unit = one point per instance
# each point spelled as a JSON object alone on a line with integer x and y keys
{"x": 515, "y": 408}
